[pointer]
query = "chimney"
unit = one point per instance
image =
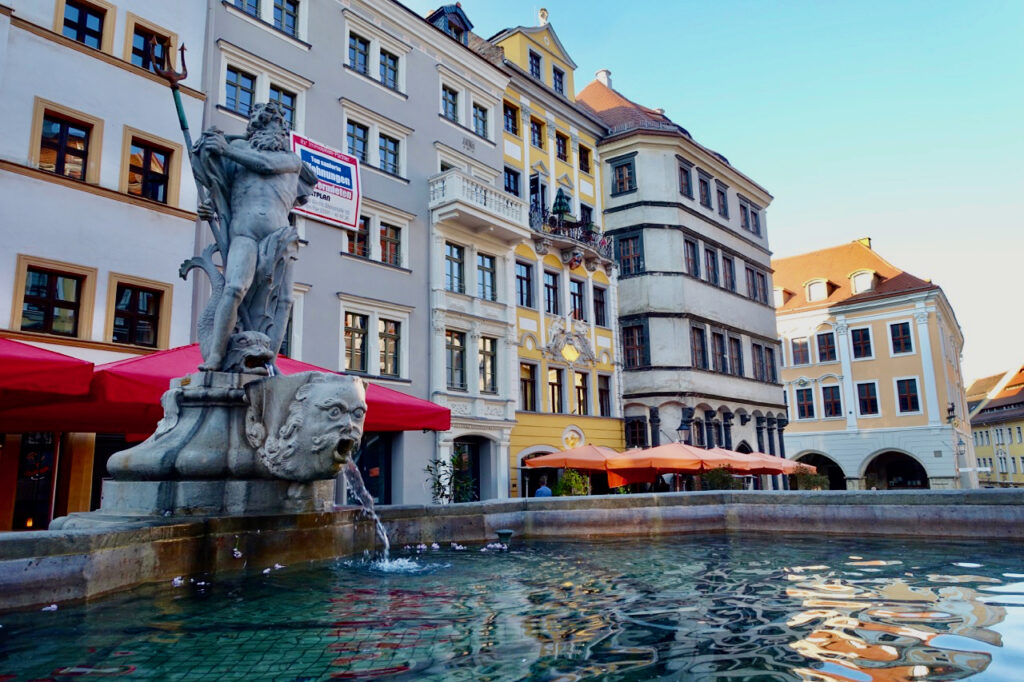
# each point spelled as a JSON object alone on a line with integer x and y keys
{"x": 660, "y": 111}
{"x": 605, "y": 77}
{"x": 866, "y": 241}
{"x": 542, "y": 17}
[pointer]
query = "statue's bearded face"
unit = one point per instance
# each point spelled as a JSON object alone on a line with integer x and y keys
{"x": 268, "y": 128}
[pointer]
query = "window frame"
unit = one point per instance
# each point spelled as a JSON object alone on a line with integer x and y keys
{"x": 86, "y": 294}
{"x": 531, "y": 382}
{"x": 728, "y": 273}
{"x": 108, "y": 24}
{"x": 454, "y": 260}
{"x": 853, "y": 344}
{"x": 483, "y": 271}
{"x": 550, "y": 394}
{"x": 634, "y": 355}
{"x": 451, "y": 351}
{"x": 698, "y": 351}
{"x": 174, "y": 151}
{"x": 805, "y": 409}
{"x": 537, "y": 132}
{"x": 535, "y": 64}
{"x": 817, "y": 346}
{"x": 917, "y": 396}
{"x": 527, "y": 290}
{"x": 722, "y": 198}
{"x": 577, "y": 299}
{"x": 508, "y": 108}
{"x": 265, "y": 75}
{"x": 691, "y": 257}
{"x": 480, "y": 120}
{"x": 163, "y": 334}
{"x": 514, "y": 188}
{"x": 890, "y": 328}
{"x": 377, "y": 311}
{"x": 134, "y": 22}
{"x": 704, "y": 198}
{"x": 711, "y": 266}
{"x": 383, "y": 336}
{"x": 878, "y": 402}
{"x": 561, "y": 147}
{"x": 378, "y": 127}
{"x": 43, "y": 108}
{"x": 685, "y": 178}
{"x": 826, "y": 402}
{"x": 629, "y": 179}
{"x": 604, "y": 395}
{"x": 600, "y": 306}
{"x": 552, "y": 292}
{"x": 633, "y": 262}
{"x": 735, "y": 359}
{"x": 348, "y": 349}
{"x": 488, "y": 370}
{"x": 584, "y": 159}
{"x": 581, "y": 393}
{"x": 557, "y": 80}
{"x": 805, "y": 354}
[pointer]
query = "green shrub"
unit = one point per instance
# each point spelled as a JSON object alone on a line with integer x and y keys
{"x": 805, "y": 480}
{"x": 572, "y": 482}
{"x": 719, "y": 479}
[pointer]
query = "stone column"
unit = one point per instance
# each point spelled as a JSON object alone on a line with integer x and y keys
{"x": 709, "y": 429}
{"x": 727, "y": 427}
{"x": 771, "y": 435}
{"x": 655, "y": 420}
{"x": 927, "y": 365}
{"x": 687, "y": 420}
{"x": 781, "y": 423}
{"x": 759, "y": 428}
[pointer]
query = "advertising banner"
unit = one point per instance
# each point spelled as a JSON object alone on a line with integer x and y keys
{"x": 335, "y": 200}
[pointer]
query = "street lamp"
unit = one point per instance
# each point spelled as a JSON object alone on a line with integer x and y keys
{"x": 684, "y": 425}
{"x": 961, "y": 447}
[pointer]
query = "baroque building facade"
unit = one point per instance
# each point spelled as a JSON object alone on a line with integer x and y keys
{"x": 697, "y": 325}
{"x": 97, "y": 212}
{"x": 872, "y": 372}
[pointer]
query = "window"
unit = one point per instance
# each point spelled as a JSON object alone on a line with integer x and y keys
{"x": 636, "y": 432}
{"x": 718, "y": 357}
{"x": 51, "y": 302}
{"x": 454, "y": 272}
{"x": 450, "y": 104}
{"x": 142, "y": 39}
{"x": 762, "y": 288}
{"x": 861, "y": 339}
{"x": 826, "y": 347}
{"x": 751, "y": 284}
{"x": 388, "y": 147}
{"x": 527, "y": 387}
{"x": 586, "y": 214}
{"x": 64, "y": 147}
{"x": 862, "y": 281}
{"x": 248, "y": 6}
{"x": 630, "y": 258}
{"x": 512, "y": 181}
{"x": 817, "y": 291}
{"x": 359, "y": 54}
{"x": 558, "y": 80}
{"x": 699, "y": 348}
{"x": 711, "y": 265}
{"x": 287, "y": 101}
{"x": 551, "y": 292}
{"x": 148, "y": 171}
{"x": 901, "y": 341}
{"x": 582, "y": 394}
{"x": 723, "y": 204}
{"x": 84, "y": 23}
{"x": 388, "y": 70}
{"x": 286, "y": 16}
{"x": 511, "y": 118}
{"x": 736, "y": 356}
{"x": 906, "y": 395}
{"x": 623, "y": 177}
{"x": 750, "y": 218}
{"x": 633, "y": 346}
{"x": 240, "y": 88}
{"x": 358, "y": 240}
{"x": 1020, "y": 436}
{"x": 455, "y": 359}
{"x": 757, "y": 352}
{"x": 524, "y": 284}
{"x": 358, "y": 136}
{"x": 604, "y": 395}
{"x": 728, "y": 273}
{"x": 831, "y": 403}
{"x": 488, "y": 353}
{"x": 390, "y": 244}
{"x": 355, "y": 342}
{"x": 867, "y": 398}
{"x": 389, "y": 332}
{"x": 584, "y": 157}
{"x": 486, "y": 277}
{"x": 755, "y": 222}
{"x": 804, "y": 403}
{"x": 690, "y": 254}
{"x": 534, "y": 64}
{"x": 536, "y": 133}
{"x": 801, "y": 352}
{"x": 555, "y": 402}
{"x": 704, "y": 185}
{"x": 770, "y": 372}
{"x": 561, "y": 147}
{"x": 685, "y": 180}
{"x": 576, "y": 309}
{"x": 479, "y": 120}
{"x": 600, "y": 310}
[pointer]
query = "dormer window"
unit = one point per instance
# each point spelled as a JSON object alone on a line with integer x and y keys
{"x": 862, "y": 281}
{"x": 817, "y": 290}
{"x": 453, "y": 21}
{"x": 534, "y": 64}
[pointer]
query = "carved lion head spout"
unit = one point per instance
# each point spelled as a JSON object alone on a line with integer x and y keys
{"x": 318, "y": 432}
{"x": 248, "y": 352}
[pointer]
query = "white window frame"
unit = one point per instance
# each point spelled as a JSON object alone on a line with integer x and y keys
{"x": 266, "y": 74}
{"x": 835, "y": 346}
{"x": 878, "y": 399}
{"x": 796, "y": 404}
{"x": 469, "y": 94}
{"x": 375, "y": 310}
{"x": 379, "y": 39}
{"x": 859, "y": 273}
{"x": 377, "y": 213}
{"x": 842, "y": 406}
{"x": 265, "y": 21}
{"x": 871, "y": 336}
{"x": 813, "y": 282}
{"x": 913, "y": 339}
{"x": 299, "y": 292}
{"x": 810, "y": 358}
{"x": 1020, "y": 436}
{"x": 896, "y": 395}
{"x": 377, "y": 125}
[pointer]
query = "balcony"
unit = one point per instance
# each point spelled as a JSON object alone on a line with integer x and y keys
{"x": 570, "y": 235}
{"x": 457, "y": 197}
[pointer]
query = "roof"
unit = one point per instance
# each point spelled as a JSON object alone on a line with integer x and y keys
{"x": 981, "y": 387}
{"x": 531, "y": 31}
{"x": 618, "y": 111}
{"x": 835, "y": 265}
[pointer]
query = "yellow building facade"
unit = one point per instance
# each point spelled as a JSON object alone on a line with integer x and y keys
{"x": 997, "y": 425}
{"x": 871, "y": 372}
{"x": 569, "y": 368}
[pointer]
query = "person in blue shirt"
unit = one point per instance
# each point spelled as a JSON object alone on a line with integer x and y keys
{"x": 542, "y": 490}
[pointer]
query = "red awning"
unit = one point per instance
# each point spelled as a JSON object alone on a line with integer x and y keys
{"x": 30, "y": 375}
{"x": 125, "y": 398}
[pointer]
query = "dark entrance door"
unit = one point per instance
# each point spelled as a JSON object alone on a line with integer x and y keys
{"x": 33, "y": 498}
{"x": 827, "y": 467}
{"x": 895, "y": 471}
{"x": 374, "y": 462}
{"x": 467, "y": 475}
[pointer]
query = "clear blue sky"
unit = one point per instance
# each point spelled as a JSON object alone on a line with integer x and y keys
{"x": 902, "y": 121}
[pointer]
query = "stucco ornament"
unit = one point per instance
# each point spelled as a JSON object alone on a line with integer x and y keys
{"x": 253, "y": 180}
{"x": 568, "y": 341}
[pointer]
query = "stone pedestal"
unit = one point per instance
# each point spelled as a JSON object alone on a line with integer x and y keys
{"x": 215, "y": 498}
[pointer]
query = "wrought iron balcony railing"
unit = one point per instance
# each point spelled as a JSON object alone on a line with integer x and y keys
{"x": 581, "y": 232}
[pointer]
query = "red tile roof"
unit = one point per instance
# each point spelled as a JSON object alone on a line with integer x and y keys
{"x": 617, "y": 111}
{"x": 835, "y": 265}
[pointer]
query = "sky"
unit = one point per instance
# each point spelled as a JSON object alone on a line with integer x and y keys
{"x": 900, "y": 121}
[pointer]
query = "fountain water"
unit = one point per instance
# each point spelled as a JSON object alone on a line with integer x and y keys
{"x": 358, "y": 488}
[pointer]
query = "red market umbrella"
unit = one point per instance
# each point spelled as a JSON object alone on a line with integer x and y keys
{"x": 125, "y": 398}
{"x": 30, "y": 375}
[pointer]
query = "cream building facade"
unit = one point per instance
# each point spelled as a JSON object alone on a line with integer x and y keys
{"x": 872, "y": 372}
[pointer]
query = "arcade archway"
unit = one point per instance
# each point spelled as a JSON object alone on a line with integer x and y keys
{"x": 895, "y": 471}
{"x": 827, "y": 467}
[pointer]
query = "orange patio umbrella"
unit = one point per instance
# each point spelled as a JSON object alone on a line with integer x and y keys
{"x": 638, "y": 466}
{"x": 752, "y": 462}
{"x": 788, "y": 466}
{"x": 586, "y": 457}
